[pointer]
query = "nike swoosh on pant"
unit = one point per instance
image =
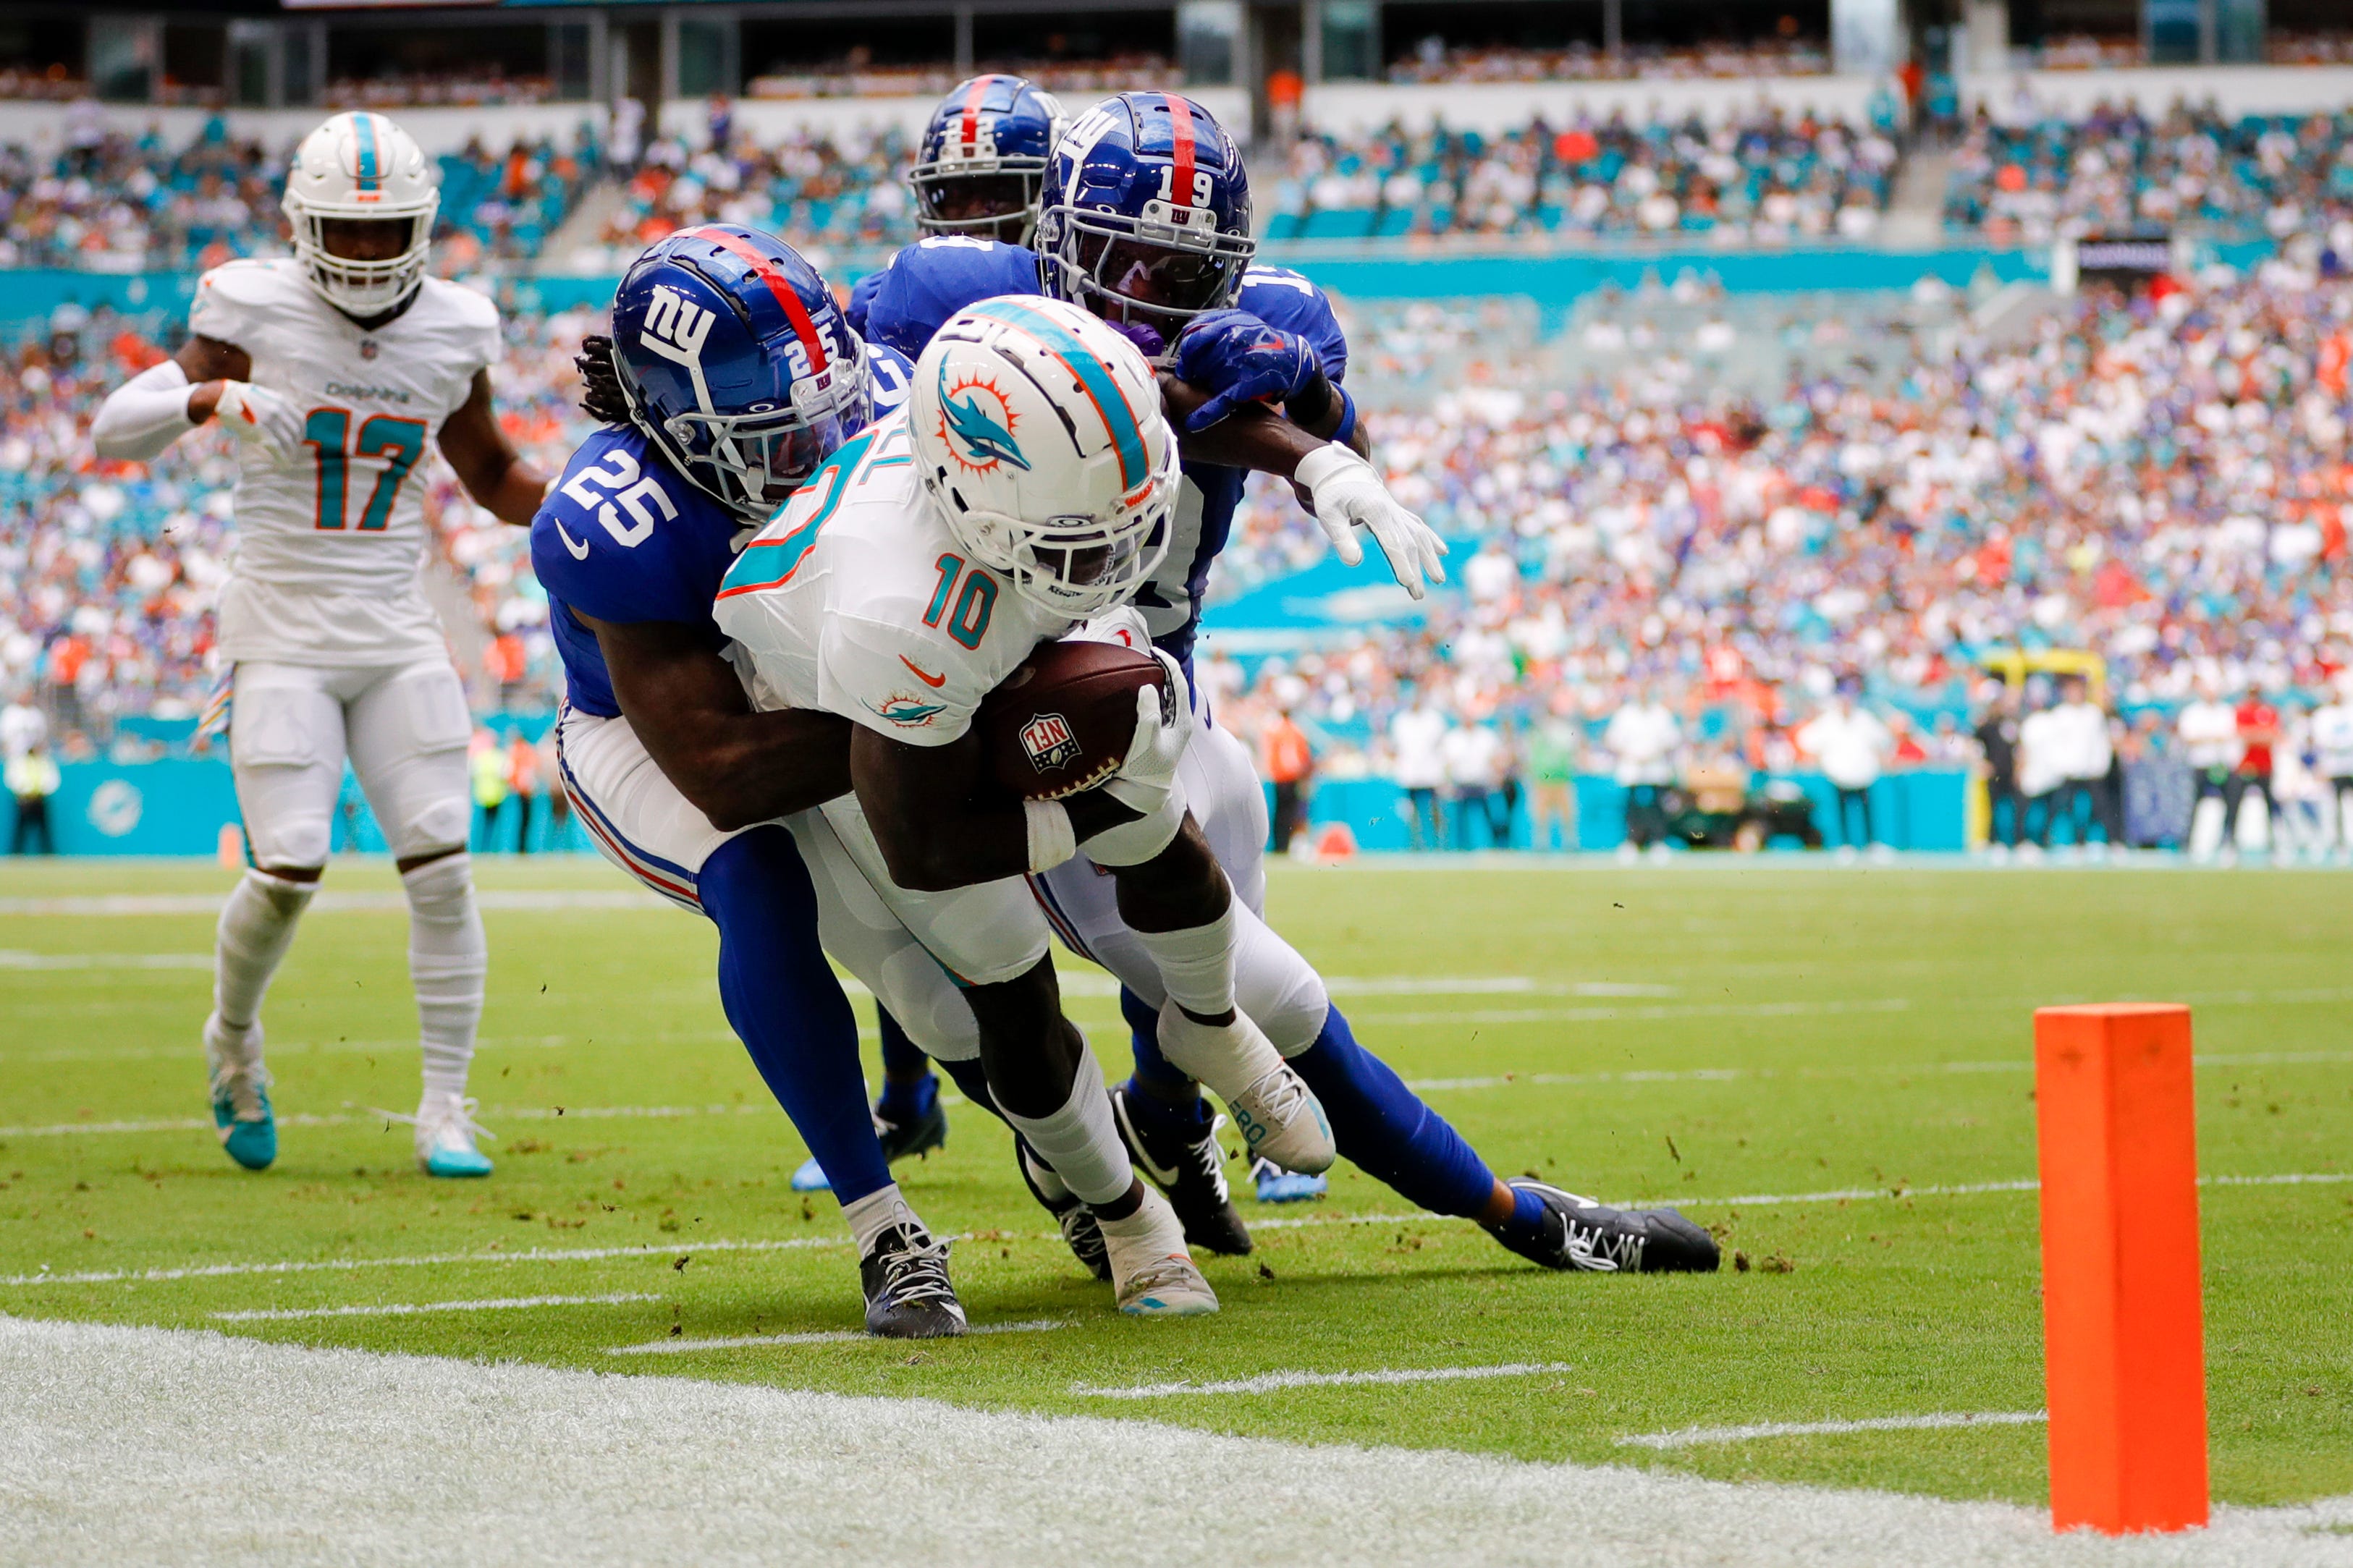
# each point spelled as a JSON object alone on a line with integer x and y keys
{"x": 925, "y": 676}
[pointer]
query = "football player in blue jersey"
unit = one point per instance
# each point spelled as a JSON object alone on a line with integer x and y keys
{"x": 729, "y": 374}
{"x": 1144, "y": 218}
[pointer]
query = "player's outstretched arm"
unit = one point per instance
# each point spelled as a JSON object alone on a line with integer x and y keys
{"x": 937, "y": 826}
{"x": 163, "y": 403}
{"x": 490, "y": 468}
{"x": 687, "y": 708}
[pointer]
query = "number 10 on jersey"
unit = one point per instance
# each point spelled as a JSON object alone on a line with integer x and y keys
{"x": 400, "y": 442}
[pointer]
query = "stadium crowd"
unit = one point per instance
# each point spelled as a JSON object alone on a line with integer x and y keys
{"x": 2120, "y": 168}
{"x": 106, "y": 201}
{"x": 1766, "y": 176}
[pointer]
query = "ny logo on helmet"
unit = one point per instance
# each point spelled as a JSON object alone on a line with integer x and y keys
{"x": 676, "y": 326}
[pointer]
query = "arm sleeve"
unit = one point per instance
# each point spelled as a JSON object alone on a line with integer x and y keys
{"x": 143, "y": 416}
{"x": 878, "y": 674}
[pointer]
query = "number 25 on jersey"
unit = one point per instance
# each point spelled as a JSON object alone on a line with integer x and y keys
{"x": 399, "y": 442}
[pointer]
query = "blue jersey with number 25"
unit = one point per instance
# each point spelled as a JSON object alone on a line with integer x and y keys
{"x": 623, "y": 537}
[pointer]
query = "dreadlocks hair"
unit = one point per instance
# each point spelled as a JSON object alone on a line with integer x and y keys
{"x": 601, "y": 395}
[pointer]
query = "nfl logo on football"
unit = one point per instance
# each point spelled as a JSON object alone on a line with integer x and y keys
{"x": 1048, "y": 740}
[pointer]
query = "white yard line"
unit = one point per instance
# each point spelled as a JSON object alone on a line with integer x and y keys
{"x": 330, "y": 902}
{"x": 148, "y": 1444}
{"x": 580, "y": 1254}
{"x": 417, "y": 1261}
{"x": 1268, "y": 1382}
{"x": 16, "y": 957}
{"x": 1691, "y": 1436}
{"x": 819, "y": 1337}
{"x": 410, "y": 1308}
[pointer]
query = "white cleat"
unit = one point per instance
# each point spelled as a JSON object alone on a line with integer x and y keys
{"x": 1152, "y": 1275}
{"x": 446, "y": 1131}
{"x": 1278, "y": 1115}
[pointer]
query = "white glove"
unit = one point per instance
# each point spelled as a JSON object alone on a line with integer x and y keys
{"x": 1147, "y": 779}
{"x": 261, "y": 417}
{"x": 1346, "y": 491}
{"x": 1123, "y": 627}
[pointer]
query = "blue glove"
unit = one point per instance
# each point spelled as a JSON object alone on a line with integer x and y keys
{"x": 1239, "y": 359}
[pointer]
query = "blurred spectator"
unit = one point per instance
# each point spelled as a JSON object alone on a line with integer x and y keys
{"x": 1555, "y": 753}
{"x": 2300, "y": 828}
{"x": 33, "y": 778}
{"x": 559, "y": 799}
{"x": 1417, "y": 737}
{"x": 2042, "y": 765}
{"x": 2259, "y": 734}
{"x": 524, "y": 774}
{"x": 1288, "y": 763}
{"x": 486, "y": 764}
{"x": 1474, "y": 777}
{"x": 22, "y": 726}
{"x": 2332, "y": 745}
{"x": 1643, "y": 735}
{"x": 2213, "y": 746}
{"x": 1996, "y": 741}
{"x": 1850, "y": 745}
{"x": 2158, "y": 789}
{"x": 2079, "y": 728}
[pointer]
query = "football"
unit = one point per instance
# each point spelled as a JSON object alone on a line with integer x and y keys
{"x": 1062, "y": 722}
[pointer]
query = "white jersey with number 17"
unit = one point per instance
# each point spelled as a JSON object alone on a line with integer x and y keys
{"x": 331, "y": 540}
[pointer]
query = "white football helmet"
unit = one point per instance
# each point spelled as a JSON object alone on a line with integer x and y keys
{"x": 361, "y": 165}
{"x": 1038, "y": 432}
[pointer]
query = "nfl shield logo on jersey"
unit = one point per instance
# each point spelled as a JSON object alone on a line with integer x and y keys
{"x": 1049, "y": 740}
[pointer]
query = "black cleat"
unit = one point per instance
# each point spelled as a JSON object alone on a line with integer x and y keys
{"x": 1080, "y": 1231}
{"x": 919, "y": 1136}
{"x": 1580, "y": 1234}
{"x": 1193, "y": 1174}
{"x": 908, "y": 1297}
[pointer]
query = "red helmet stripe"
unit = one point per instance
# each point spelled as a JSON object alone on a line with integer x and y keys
{"x": 972, "y": 100}
{"x": 1180, "y": 126}
{"x": 765, "y": 270}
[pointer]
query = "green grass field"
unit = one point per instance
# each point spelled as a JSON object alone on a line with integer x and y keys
{"x": 1688, "y": 1035}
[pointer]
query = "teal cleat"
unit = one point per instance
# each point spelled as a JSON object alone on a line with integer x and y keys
{"x": 240, "y": 1095}
{"x": 445, "y": 1137}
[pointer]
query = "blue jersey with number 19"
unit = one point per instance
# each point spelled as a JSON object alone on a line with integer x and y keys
{"x": 623, "y": 537}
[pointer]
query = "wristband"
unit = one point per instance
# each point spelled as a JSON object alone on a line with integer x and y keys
{"x": 1347, "y": 426}
{"x": 1051, "y": 837}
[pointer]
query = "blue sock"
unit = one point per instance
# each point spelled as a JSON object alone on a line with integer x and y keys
{"x": 1162, "y": 1100}
{"x": 785, "y": 1006}
{"x": 1527, "y": 1226}
{"x": 908, "y": 1087}
{"x": 1386, "y": 1130}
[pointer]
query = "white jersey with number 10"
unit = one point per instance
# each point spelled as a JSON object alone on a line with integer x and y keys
{"x": 329, "y": 541}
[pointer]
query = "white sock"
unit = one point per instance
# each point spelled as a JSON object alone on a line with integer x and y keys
{"x": 448, "y": 959}
{"x": 1080, "y": 1141}
{"x": 1196, "y": 964}
{"x": 876, "y": 1212}
{"x": 256, "y": 926}
{"x": 1050, "y": 1185}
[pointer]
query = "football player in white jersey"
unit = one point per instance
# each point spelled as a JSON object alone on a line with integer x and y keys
{"x": 336, "y": 369}
{"x": 1026, "y": 489}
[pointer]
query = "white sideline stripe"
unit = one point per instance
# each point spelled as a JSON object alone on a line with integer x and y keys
{"x": 312, "y": 1266}
{"x": 1728, "y": 1075}
{"x": 329, "y": 901}
{"x": 1646, "y": 1014}
{"x": 819, "y": 1337}
{"x": 1692, "y": 1436}
{"x": 579, "y": 1254}
{"x": 14, "y": 958}
{"x": 1269, "y": 1382}
{"x": 245, "y": 1450}
{"x": 408, "y": 1309}
{"x": 493, "y": 1114}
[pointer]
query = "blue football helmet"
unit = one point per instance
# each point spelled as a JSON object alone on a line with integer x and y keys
{"x": 1146, "y": 213}
{"x": 982, "y": 161}
{"x": 736, "y": 362}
